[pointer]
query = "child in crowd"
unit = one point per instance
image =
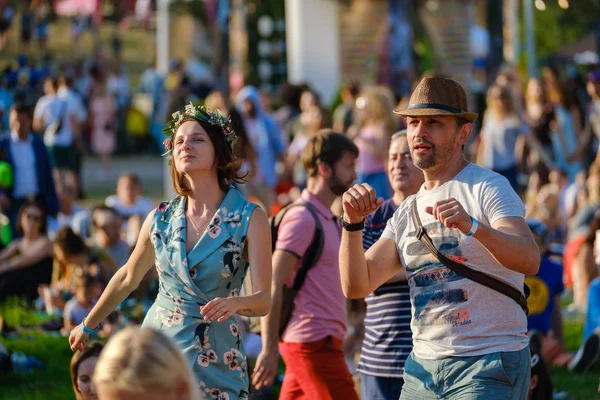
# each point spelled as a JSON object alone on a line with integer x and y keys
{"x": 76, "y": 309}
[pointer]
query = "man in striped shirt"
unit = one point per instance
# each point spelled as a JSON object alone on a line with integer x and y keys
{"x": 388, "y": 338}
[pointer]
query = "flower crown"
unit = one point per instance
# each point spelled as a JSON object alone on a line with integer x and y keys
{"x": 199, "y": 114}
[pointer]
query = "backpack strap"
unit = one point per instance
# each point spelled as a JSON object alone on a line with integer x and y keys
{"x": 461, "y": 269}
{"x": 315, "y": 248}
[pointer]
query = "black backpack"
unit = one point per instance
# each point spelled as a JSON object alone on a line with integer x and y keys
{"x": 309, "y": 259}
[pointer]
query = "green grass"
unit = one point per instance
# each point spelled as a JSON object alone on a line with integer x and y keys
{"x": 15, "y": 313}
{"x": 51, "y": 383}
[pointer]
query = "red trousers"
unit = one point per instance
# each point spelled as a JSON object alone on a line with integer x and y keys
{"x": 316, "y": 371}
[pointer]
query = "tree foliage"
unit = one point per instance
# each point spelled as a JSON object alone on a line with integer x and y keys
{"x": 556, "y": 28}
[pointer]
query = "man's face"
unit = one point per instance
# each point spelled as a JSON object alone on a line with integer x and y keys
{"x": 404, "y": 176}
{"x": 433, "y": 140}
{"x": 20, "y": 123}
{"x": 343, "y": 174}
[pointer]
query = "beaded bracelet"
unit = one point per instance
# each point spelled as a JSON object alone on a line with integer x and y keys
{"x": 87, "y": 330}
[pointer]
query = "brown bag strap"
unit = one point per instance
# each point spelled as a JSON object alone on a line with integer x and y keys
{"x": 463, "y": 270}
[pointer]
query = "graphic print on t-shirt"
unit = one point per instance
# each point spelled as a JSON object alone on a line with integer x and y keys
{"x": 431, "y": 278}
{"x": 539, "y": 296}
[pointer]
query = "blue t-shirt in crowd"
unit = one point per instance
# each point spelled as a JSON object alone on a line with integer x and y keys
{"x": 593, "y": 312}
{"x": 388, "y": 338}
{"x": 544, "y": 286}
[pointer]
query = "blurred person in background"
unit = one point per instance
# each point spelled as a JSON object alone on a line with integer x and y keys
{"x": 67, "y": 146}
{"x": 539, "y": 116}
{"x": 343, "y": 116}
{"x": 585, "y": 266}
{"x": 589, "y": 141}
{"x": 102, "y": 118}
{"x": 371, "y": 133}
{"x": 216, "y": 100}
{"x": 266, "y": 137}
{"x": 70, "y": 214}
{"x": 308, "y": 99}
{"x": 32, "y": 172}
{"x": 7, "y": 13}
{"x": 73, "y": 258}
{"x": 47, "y": 110}
{"x": 500, "y": 131}
{"x": 84, "y": 298}
{"x": 565, "y": 135}
{"x": 27, "y": 262}
{"x": 82, "y": 367}
{"x": 107, "y": 234}
{"x": 287, "y": 113}
{"x": 545, "y": 314}
{"x": 145, "y": 364}
{"x": 313, "y": 121}
{"x": 41, "y": 20}
{"x": 130, "y": 205}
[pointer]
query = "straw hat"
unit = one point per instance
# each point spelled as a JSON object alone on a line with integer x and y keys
{"x": 438, "y": 96}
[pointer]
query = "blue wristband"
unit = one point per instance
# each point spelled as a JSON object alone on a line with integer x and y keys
{"x": 474, "y": 226}
{"x": 87, "y": 330}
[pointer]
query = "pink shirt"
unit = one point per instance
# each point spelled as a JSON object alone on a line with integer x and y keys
{"x": 367, "y": 163}
{"x": 320, "y": 306}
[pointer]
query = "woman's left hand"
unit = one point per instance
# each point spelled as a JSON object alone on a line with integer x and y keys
{"x": 220, "y": 309}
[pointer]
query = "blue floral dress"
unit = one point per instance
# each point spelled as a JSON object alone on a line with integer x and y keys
{"x": 213, "y": 268}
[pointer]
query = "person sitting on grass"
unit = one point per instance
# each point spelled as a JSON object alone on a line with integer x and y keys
{"x": 83, "y": 364}
{"x": 86, "y": 295}
{"x": 72, "y": 258}
{"x": 27, "y": 262}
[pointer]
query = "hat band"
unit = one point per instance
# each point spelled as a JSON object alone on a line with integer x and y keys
{"x": 436, "y": 106}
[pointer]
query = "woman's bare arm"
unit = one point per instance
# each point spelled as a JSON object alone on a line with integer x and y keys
{"x": 126, "y": 279}
{"x": 258, "y": 303}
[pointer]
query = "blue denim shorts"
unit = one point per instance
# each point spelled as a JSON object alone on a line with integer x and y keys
{"x": 379, "y": 388}
{"x": 502, "y": 375}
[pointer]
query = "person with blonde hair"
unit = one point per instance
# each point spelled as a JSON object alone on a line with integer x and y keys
{"x": 371, "y": 134}
{"x": 202, "y": 243}
{"x": 141, "y": 363}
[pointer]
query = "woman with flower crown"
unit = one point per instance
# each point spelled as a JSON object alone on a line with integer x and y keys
{"x": 202, "y": 243}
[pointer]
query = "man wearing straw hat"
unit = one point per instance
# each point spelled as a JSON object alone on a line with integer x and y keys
{"x": 465, "y": 247}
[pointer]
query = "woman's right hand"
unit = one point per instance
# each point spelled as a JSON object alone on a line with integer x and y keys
{"x": 77, "y": 338}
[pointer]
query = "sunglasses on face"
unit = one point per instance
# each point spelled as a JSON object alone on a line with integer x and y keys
{"x": 33, "y": 217}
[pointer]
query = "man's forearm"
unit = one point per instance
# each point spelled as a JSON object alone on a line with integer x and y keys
{"x": 269, "y": 324}
{"x": 510, "y": 250}
{"x": 354, "y": 273}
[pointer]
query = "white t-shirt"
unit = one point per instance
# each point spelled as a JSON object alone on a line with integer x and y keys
{"x": 66, "y": 104}
{"x": 451, "y": 315}
{"x": 141, "y": 207}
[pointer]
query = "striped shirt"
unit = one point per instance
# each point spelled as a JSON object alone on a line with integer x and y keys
{"x": 388, "y": 338}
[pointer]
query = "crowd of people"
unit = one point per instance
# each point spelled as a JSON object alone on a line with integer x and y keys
{"x": 205, "y": 284}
